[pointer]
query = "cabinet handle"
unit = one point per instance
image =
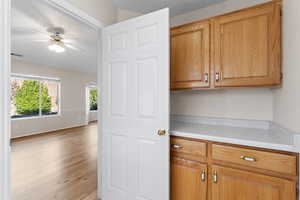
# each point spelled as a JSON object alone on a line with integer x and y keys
{"x": 206, "y": 78}
{"x": 177, "y": 146}
{"x": 217, "y": 76}
{"x": 215, "y": 177}
{"x": 203, "y": 176}
{"x": 250, "y": 159}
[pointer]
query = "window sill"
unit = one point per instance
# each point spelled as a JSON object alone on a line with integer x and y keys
{"x": 35, "y": 117}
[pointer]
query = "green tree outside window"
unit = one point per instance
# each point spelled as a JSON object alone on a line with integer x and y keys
{"x": 28, "y": 98}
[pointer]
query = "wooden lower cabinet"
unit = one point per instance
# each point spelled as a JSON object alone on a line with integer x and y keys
{"x": 226, "y": 172}
{"x": 189, "y": 180}
{"x": 232, "y": 184}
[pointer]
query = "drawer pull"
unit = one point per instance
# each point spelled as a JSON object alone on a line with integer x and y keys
{"x": 177, "y": 146}
{"x": 246, "y": 158}
{"x": 217, "y": 76}
{"x": 203, "y": 176}
{"x": 215, "y": 177}
{"x": 206, "y": 78}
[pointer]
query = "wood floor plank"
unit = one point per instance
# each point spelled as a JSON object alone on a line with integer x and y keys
{"x": 56, "y": 166}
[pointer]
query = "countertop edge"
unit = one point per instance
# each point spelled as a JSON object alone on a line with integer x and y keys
{"x": 251, "y": 143}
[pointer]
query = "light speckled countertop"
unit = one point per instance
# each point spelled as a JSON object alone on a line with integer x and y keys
{"x": 263, "y": 138}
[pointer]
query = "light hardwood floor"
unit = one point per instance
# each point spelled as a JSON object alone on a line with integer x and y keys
{"x": 61, "y": 165}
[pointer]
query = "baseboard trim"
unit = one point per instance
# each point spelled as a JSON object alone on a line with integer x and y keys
{"x": 32, "y": 135}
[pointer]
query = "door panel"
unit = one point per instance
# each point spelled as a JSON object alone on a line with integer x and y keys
{"x": 147, "y": 87}
{"x": 241, "y": 185}
{"x": 118, "y": 88}
{"x": 135, "y": 96}
{"x": 244, "y": 59}
{"x": 190, "y": 56}
{"x": 247, "y": 47}
{"x": 118, "y": 169}
{"x": 187, "y": 181}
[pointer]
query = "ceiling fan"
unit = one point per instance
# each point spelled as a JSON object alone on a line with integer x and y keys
{"x": 56, "y": 41}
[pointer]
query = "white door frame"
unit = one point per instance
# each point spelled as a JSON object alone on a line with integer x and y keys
{"x": 4, "y": 99}
{"x": 5, "y": 49}
{"x": 87, "y": 107}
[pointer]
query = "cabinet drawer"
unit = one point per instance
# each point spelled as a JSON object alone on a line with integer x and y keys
{"x": 276, "y": 162}
{"x": 188, "y": 149}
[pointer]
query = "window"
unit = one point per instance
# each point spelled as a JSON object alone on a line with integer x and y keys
{"x": 34, "y": 96}
{"x": 93, "y": 99}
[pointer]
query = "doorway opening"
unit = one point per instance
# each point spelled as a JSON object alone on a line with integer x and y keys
{"x": 54, "y": 56}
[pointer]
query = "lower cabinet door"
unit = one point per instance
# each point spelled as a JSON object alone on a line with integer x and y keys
{"x": 188, "y": 180}
{"x": 231, "y": 184}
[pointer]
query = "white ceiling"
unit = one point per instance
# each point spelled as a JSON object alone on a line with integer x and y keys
{"x": 177, "y": 7}
{"x": 30, "y": 20}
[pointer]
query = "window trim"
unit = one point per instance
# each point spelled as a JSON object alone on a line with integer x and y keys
{"x": 39, "y": 78}
{"x": 33, "y": 77}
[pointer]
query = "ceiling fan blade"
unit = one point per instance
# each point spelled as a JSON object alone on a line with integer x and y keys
{"x": 40, "y": 41}
{"x": 16, "y": 31}
{"x": 68, "y": 41}
{"x": 72, "y": 47}
{"x": 74, "y": 43}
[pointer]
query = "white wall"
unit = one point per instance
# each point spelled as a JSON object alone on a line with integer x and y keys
{"x": 256, "y": 104}
{"x": 281, "y": 105}
{"x": 211, "y": 11}
{"x": 73, "y": 99}
{"x": 287, "y": 99}
{"x": 103, "y": 10}
{"x": 123, "y": 14}
{"x": 230, "y": 103}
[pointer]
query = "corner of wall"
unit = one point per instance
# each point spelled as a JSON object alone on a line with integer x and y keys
{"x": 123, "y": 14}
{"x": 287, "y": 98}
{"x": 213, "y": 10}
{"x": 103, "y": 10}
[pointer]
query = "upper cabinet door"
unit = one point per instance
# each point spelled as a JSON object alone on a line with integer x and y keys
{"x": 190, "y": 55}
{"x": 247, "y": 47}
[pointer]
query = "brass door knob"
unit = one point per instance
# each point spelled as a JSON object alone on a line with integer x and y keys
{"x": 161, "y": 132}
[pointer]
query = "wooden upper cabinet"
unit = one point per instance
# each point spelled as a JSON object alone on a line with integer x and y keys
{"x": 190, "y": 56}
{"x": 188, "y": 180}
{"x": 239, "y": 49}
{"x": 247, "y": 47}
{"x": 231, "y": 184}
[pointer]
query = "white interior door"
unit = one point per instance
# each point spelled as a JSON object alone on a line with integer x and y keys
{"x": 135, "y": 86}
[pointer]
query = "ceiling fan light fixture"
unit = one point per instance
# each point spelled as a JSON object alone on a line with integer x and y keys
{"x": 56, "y": 48}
